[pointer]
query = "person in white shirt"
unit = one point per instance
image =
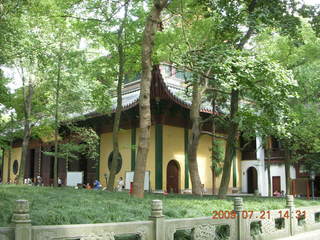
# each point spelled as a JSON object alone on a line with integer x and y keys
{"x": 120, "y": 184}
{"x": 59, "y": 182}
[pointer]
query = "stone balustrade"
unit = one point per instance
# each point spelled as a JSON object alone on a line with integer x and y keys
{"x": 242, "y": 225}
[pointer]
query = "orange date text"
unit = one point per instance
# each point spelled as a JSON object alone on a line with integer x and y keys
{"x": 264, "y": 214}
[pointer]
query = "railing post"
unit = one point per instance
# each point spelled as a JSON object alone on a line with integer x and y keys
{"x": 290, "y": 205}
{"x": 241, "y": 228}
{"x": 21, "y": 220}
{"x": 158, "y": 220}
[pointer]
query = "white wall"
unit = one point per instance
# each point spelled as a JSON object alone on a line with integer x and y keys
{"x": 259, "y": 164}
{"x": 279, "y": 170}
{"x": 261, "y": 178}
{"x": 275, "y": 170}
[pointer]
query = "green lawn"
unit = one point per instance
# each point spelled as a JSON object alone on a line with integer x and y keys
{"x": 70, "y": 206}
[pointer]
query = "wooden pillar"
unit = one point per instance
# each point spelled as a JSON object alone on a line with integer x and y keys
{"x": 37, "y": 159}
{"x": 159, "y": 155}
{"x": 133, "y": 147}
{"x": 293, "y": 187}
{"x": 308, "y": 190}
{"x": 27, "y": 165}
{"x": 186, "y": 161}
{"x": 45, "y": 166}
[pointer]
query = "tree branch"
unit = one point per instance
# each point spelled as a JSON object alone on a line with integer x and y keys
{"x": 212, "y": 135}
{"x": 245, "y": 38}
{"x": 218, "y": 90}
{"x": 81, "y": 18}
{"x": 250, "y": 31}
{"x": 93, "y": 19}
{"x": 211, "y": 117}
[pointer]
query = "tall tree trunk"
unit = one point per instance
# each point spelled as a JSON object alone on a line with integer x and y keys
{"x": 56, "y": 123}
{"x": 27, "y": 97}
{"x": 213, "y": 181}
{"x": 117, "y": 115}
{"x": 144, "y": 100}
{"x": 213, "y": 142}
{"x": 194, "y": 138}
{"x": 67, "y": 167}
{"x": 287, "y": 171}
{"x": 9, "y": 161}
{"x": 269, "y": 167}
{"x": 233, "y": 125}
{"x": 231, "y": 144}
{"x": 10, "y": 148}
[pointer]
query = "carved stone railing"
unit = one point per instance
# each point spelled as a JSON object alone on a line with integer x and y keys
{"x": 242, "y": 225}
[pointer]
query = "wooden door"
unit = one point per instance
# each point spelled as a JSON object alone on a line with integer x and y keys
{"x": 252, "y": 179}
{"x": 276, "y": 184}
{"x": 173, "y": 177}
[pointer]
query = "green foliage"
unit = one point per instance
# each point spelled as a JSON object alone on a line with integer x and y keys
{"x": 205, "y": 37}
{"x": 300, "y": 134}
{"x": 103, "y": 207}
{"x": 218, "y": 152}
{"x": 90, "y": 141}
{"x": 82, "y": 140}
{"x": 41, "y": 43}
{"x": 4, "y": 92}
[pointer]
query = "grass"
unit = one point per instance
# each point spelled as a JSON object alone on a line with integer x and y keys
{"x": 51, "y": 206}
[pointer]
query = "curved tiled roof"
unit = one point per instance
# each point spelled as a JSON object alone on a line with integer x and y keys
{"x": 174, "y": 88}
{"x": 171, "y": 86}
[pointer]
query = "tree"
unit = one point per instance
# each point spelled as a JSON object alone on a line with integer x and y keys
{"x": 116, "y": 123}
{"x": 299, "y": 137}
{"x": 230, "y": 16}
{"x": 116, "y": 28}
{"x": 216, "y": 160}
{"x": 184, "y": 39}
{"x": 66, "y": 67}
{"x": 144, "y": 99}
{"x": 45, "y": 49}
{"x": 80, "y": 140}
{"x": 219, "y": 63}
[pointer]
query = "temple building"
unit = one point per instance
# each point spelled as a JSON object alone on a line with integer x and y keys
{"x": 167, "y": 166}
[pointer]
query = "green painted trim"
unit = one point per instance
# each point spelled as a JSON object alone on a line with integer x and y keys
{"x": 159, "y": 155}
{"x": 133, "y": 148}
{"x": 2, "y": 163}
{"x": 234, "y": 166}
{"x": 186, "y": 162}
{"x": 98, "y": 167}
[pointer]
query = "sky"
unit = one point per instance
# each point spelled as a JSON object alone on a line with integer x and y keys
{"x": 12, "y": 74}
{"x": 312, "y": 2}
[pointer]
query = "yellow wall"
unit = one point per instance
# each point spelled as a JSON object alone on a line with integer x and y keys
{"x": 173, "y": 149}
{"x": 5, "y": 162}
{"x": 239, "y": 174}
{"x": 106, "y": 149}
{"x": 238, "y": 162}
{"x": 151, "y": 157}
{"x": 125, "y": 150}
{"x": 204, "y": 161}
{"x": 16, "y": 155}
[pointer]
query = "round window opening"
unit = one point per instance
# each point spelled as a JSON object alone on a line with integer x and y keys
{"x": 119, "y": 162}
{"x": 15, "y": 166}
